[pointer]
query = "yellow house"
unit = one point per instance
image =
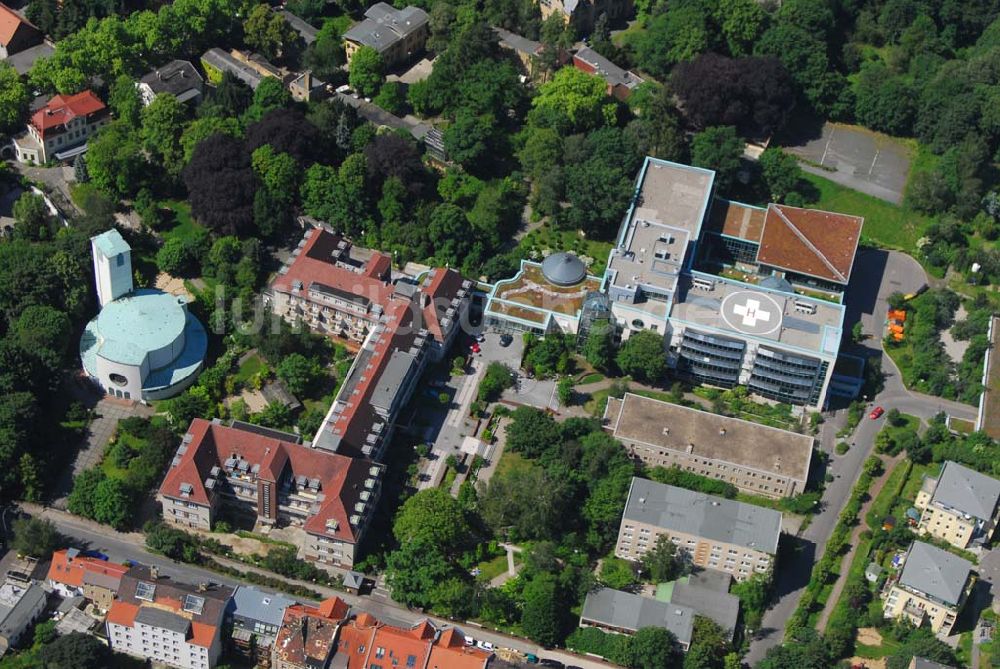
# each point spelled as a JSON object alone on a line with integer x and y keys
{"x": 584, "y": 13}
{"x": 932, "y": 588}
{"x": 960, "y": 506}
{"x": 396, "y": 34}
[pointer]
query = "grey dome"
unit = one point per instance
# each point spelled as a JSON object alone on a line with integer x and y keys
{"x": 564, "y": 269}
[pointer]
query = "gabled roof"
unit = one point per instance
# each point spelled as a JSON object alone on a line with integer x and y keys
{"x": 175, "y": 77}
{"x": 967, "y": 491}
{"x": 935, "y": 572}
{"x": 808, "y": 241}
{"x": 367, "y": 642}
{"x": 623, "y": 610}
{"x": 10, "y": 23}
{"x": 308, "y": 634}
{"x": 62, "y": 109}
{"x": 211, "y": 444}
{"x": 73, "y": 570}
{"x": 253, "y": 604}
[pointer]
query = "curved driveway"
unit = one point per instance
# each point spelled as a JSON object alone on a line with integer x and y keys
{"x": 891, "y": 272}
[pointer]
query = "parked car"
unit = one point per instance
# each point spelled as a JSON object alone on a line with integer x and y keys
{"x": 555, "y": 664}
{"x": 475, "y": 348}
{"x": 876, "y": 413}
{"x": 531, "y": 658}
{"x": 485, "y": 645}
{"x": 343, "y": 88}
{"x": 469, "y": 641}
{"x": 480, "y": 337}
{"x": 506, "y": 340}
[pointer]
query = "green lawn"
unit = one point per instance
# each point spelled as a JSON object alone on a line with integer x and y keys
{"x": 886, "y": 225}
{"x": 249, "y": 368}
{"x": 511, "y": 461}
{"x": 186, "y": 227}
{"x": 593, "y": 377}
{"x": 567, "y": 240}
{"x": 916, "y": 478}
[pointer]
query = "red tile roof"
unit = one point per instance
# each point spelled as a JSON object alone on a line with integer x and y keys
{"x": 808, "y": 241}
{"x": 450, "y": 652}
{"x": 10, "y": 22}
{"x": 123, "y": 613}
{"x": 71, "y": 571}
{"x": 736, "y": 220}
{"x": 341, "y": 478}
{"x": 365, "y": 640}
{"x": 62, "y": 109}
{"x": 441, "y": 290}
{"x": 315, "y": 264}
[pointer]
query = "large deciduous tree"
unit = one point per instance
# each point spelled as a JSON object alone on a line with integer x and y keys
{"x": 220, "y": 184}
{"x": 366, "y": 71}
{"x": 718, "y": 148}
{"x": 643, "y": 356}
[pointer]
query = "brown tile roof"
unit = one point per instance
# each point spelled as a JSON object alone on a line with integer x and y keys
{"x": 10, "y": 22}
{"x": 341, "y": 478}
{"x": 734, "y": 219}
{"x": 808, "y": 241}
{"x": 308, "y": 634}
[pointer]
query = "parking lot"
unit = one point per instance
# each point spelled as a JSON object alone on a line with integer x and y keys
{"x": 854, "y": 157}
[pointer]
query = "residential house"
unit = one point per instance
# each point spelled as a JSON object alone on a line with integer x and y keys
{"x": 707, "y": 592}
{"x": 931, "y": 588}
{"x": 168, "y": 622}
{"x": 306, "y": 31}
{"x": 397, "y": 34}
{"x": 625, "y": 613}
{"x": 583, "y": 14}
{"x": 755, "y": 458}
{"x": 22, "y": 602}
{"x": 256, "y": 618}
{"x": 960, "y": 506}
{"x": 275, "y": 479}
{"x": 620, "y": 81}
{"x": 921, "y": 663}
{"x": 308, "y": 635}
{"x": 178, "y": 78}
{"x": 712, "y": 532}
{"x": 60, "y": 129}
{"x": 216, "y": 62}
{"x": 16, "y": 34}
{"x": 366, "y": 642}
{"x": 304, "y": 87}
{"x": 72, "y": 574}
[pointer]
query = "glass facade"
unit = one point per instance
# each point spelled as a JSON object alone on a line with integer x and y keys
{"x": 786, "y": 377}
{"x": 729, "y": 250}
{"x": 710, "y": 358}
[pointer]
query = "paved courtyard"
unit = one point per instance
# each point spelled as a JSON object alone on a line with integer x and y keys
{"x": 855, "y": 157}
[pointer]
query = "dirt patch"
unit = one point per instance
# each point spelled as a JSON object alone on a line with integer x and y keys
{"x": 172, "y": 285}
{"x": 869, "y": 636}
{"x": 869, "y": 663}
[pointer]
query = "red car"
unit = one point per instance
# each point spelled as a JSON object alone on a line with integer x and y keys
{"x": 876, "y": 413}
{"x": 475, "y": 348}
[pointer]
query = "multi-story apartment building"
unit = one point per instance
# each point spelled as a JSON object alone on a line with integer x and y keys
{"x": 275, "y": 479}
{"x": 71, "y": 574}
{"x": 365, "y": 641}
{"x": 932, "y": 588}
{"x": 256, "y": 617}
{"x": 342, "y": 290}
{"x": 22, "y": 602}
{"x": 167, "y": 622}
{"x": 755, "y": 458}
{"x": 397, "y": 34}
{"x": 778, "y": 329}
{"x": 308, "y": 635}
{"x": 712, "y": 532}
{"x": 960, "y": 506}
{"x": 60, "y": 129}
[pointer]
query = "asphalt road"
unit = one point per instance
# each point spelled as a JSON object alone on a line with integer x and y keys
{"x": 120, "y": 546}
{"x": 892, "y": 272}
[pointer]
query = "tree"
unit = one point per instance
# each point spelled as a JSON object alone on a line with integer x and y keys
{"x": 14, "y": 97}
{"x": 179, "y": 256}
{"x": 44, "y": 329}
{"x": 572, "y": 101}
{"x": 653, "y": 648}
{"x": 392, "y": 98}
{"x": 709, "y": 645}
{"x": 415, "y": 570}
{"x": 469, "y": 138}
{"x": 299, "y": 373}
{"x": 718, "y": 148}
{"x": 75, "y": 651}
{"x": 32, "y": 220}
{"x": 662, "y": 563}
{"x": 326, "y": 54}
{"x": 229, "y": 99}
{"x": 497, "y": 378}
{"x": 599, "y": 347}
{"x": 617, "y": 573}
{"x": 115, "y": 161}
{"x": 220, "y": 184}
{"x": 884, "y": 101}
{"x": 432, "y": 516}
{"x": 162, "y": 124}
{"x": 531, "y": 432}
{"x": 542, "y": 614}
{"x": 754, "y": 94}
{"x": 124, "y": 100}
{"x": 565, "y": 390}
{"x": 680, "y": 33}
{"x": 269, "y": 96}
{"x": 80, "y": 173}
{"x": 112, "y": 503}
{"x": 36, "y": 537}
{"x": 268, "y": 32}
{"x": 643, "y": 356}
{"x": 781, "y": 173}
{"x": 366, "y": 71}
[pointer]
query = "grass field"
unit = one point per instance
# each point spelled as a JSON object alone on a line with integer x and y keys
{"x": 250, "y": 366}
{"x": 886, "y": 225}
{"x": 568, "y": 240}
{"x": 186, "y": 227}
